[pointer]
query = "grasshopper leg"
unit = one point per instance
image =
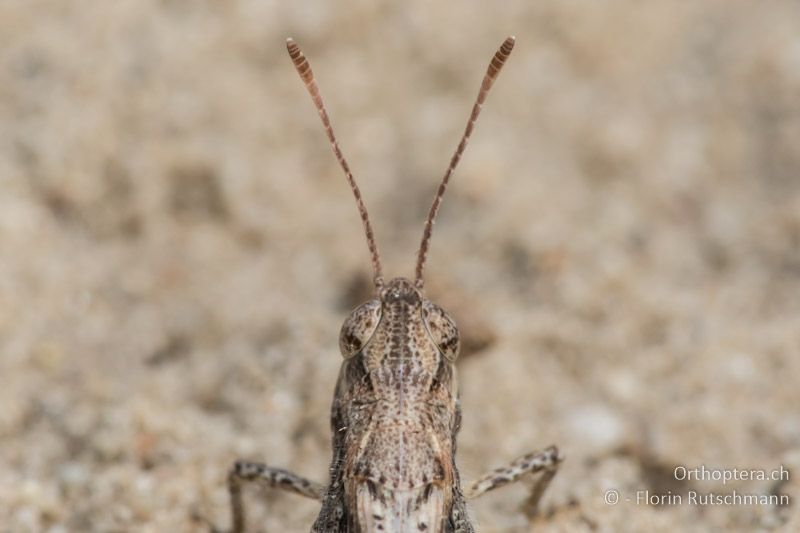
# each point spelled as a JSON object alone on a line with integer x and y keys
{"x": 244, "y": 473}
{"x": 543, "y": 462}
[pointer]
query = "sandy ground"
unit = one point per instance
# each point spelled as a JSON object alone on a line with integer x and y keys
{"x": 178, "y": 249}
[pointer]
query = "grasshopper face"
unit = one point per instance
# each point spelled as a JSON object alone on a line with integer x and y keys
{"x": 400, "y": 301}
{"x": 396, "y": 413}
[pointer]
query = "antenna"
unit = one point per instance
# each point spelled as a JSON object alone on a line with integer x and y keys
{"x": 496, "y": 64}
{"x": 304, "y": 70}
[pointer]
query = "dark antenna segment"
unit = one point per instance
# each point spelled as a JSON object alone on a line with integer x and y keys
{"x": 304, "y": 69}
{"x": 497, "y": 63}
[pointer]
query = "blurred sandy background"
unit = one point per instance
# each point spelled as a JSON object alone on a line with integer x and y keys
{"x": 178, "y": 248}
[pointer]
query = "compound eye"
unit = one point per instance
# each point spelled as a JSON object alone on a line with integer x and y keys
{"x": 357, "y": 330}
{"x": 442, "y": 330}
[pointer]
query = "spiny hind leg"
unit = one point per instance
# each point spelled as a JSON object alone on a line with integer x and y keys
{"x": 544, "y": 462}
{"x": 246, "y": 473}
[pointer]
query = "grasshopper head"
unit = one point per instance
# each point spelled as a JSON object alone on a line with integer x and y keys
{"x": 399, "y": 301}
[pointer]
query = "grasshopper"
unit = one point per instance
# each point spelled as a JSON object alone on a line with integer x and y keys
{"x": 396, "y": 412}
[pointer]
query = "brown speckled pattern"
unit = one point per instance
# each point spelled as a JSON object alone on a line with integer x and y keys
{"x": 395, "y": 417}
{"x": 359, "y": 327}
